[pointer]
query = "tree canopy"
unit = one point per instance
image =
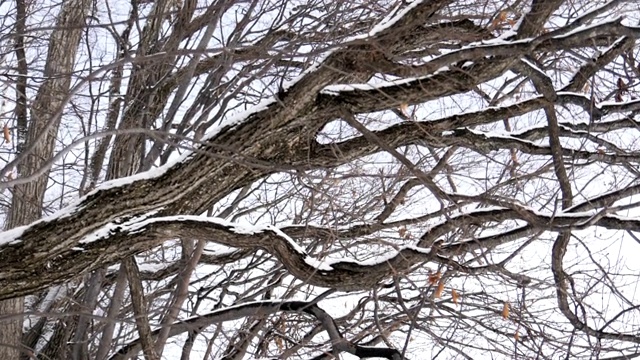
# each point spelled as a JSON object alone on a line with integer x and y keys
{"x": 314, "y": 179}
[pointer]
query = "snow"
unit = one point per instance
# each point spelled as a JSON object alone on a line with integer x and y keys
{"x": 582, "y": 28}
{"x": 571, "y": 93}
{"x": 237, "y": 119}
{"x": 293, "y": 244}
{"x": 327, "y": 266}
{"x": 12, "y": 236}
{"x": 533, "y": 66}
{"x": 499, "y": 41}
{"x": 381, "y": 26}
{"x": 101, "y": 233}
{"x": 339, "y": 88}
{"x": 236, "y": 306}
{"x": 318, "y": 264}
{"x": 525, "y": 10}
{"x": 614, "y": 45}
{"x": 617, "y": 217}
{"x": 384, "y": 24}
{"x": 336, "y": 89}
{"x": 287, "y": 85}
{"x": 388, "y": 22}
{"x": 118, "y": 225}
{"x": 137, "y": 224}
{"x": 150, "y": 267}
{"x": 507, "y": 34}
{"x": 500, "y": 135}
{"x": 388, "y": 256}
{"x": 218, "y": 249}
{"x": 77, "y": 204}
{"x": 347, "y": 356}
{"x": 421, "y": 250}
{"x": 468, "y": 64}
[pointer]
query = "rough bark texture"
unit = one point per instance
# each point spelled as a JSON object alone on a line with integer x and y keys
{"x": 281, "y": 136}
{"x": 120, "y": 221}
{"x": 26, "y": 204}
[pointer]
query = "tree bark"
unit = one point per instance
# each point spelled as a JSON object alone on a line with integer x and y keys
{"x": 26, "y": 203}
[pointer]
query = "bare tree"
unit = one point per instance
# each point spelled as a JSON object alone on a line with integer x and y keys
{"x": 286, "y": 179}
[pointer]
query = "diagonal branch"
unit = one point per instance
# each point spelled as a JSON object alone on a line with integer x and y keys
{"x": 261, "y": 309}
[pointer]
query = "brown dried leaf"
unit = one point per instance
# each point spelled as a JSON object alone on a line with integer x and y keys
{"x": 622, "y": 86}
{"x": 402, "y": 232}
{"x": 505, "y": 310}
{"x": 7, "y": 134}
{"x": 434, "y": 278}
{"x": 404, "y": 108}
{"x": 454, "y": 296}
{"x": 502, "y": 16}
{"x": 439, "y": 290}
{"x": 516, "y": 336}
{"x": 498, "y": 20}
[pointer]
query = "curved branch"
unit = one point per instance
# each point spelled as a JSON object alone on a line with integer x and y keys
{"x": 562, "y": 294}
{"x": 271, "y": 132}
{"x": 264, "y": 308}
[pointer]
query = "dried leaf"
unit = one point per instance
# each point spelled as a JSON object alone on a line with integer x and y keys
{"x": 402, "y": 232}
{"x": 505, "y": 310}
{"x": 439, "y": 290}
{"x": 434, "y": 278}
{"x": 454, "y": 296}
{"x": 516, "y": 336}
{"x": 404, "y": 108}
{"x": 494, "y": 24}
{"x": 7, "y": 134}
{"x": 499, "y": 20}
{"x": 622, "y": 86}
{"x": 503, "y": 15}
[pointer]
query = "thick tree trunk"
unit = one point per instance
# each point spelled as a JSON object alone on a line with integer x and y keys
{"x": 26, "y": 205}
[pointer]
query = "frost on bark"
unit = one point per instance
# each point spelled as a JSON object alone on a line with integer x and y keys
{"x": 424, "y": 165}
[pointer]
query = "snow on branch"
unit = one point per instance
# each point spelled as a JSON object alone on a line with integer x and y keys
{"x": 348, "y": 274}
